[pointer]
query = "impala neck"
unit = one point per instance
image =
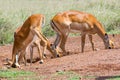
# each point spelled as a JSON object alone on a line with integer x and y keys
{"x": 48, "y": 46}
{"x": 101, "y": 32}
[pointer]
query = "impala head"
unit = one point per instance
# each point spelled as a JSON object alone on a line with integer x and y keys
{"x": 111, "y": 44}
{"x": 55, "y": 50}
{"x": 108, "y": 43}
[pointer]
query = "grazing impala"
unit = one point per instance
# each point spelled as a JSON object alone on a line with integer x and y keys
{"x": 77, "y": 22}
{"x": 26, "y": 35}
{"x": 34, "y": 43}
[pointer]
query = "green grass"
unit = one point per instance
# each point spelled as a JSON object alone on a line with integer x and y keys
{"x": 66, "y": 75}
{"x": 13, "y": 74}
{"x": 108, "y": 78}
{"x": 14, "y": 12}
{"x": 114, "y": 78}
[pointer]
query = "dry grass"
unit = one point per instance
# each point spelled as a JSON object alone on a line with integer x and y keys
{"x": 14, "y": 12}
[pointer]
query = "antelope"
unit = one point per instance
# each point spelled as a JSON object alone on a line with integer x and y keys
{"x": 78, "y": 22}
{"x": 34, "y": 43}
{"x": 29, "y": 32}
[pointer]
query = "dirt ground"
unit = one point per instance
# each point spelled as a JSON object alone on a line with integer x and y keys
{"x": 101, "y": 63}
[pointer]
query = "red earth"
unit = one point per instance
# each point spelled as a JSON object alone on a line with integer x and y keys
{"x": 103, "y": 63}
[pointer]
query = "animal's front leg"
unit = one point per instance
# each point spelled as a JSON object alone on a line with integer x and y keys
{"x": 16, "y": 63}
{"x": 82, "y": 42}
{"x": 36, "y": 32}
{"x": 15, "y": 57}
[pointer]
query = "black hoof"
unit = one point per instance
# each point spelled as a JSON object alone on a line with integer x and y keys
{"x": 58, "y": 55}
{"x": 14, "y": 66}
{"x": 41, "y": 62}
{"x": 110, "y": 48}
{"x": 45, "y": 55}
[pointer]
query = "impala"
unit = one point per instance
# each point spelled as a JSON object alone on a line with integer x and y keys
{"x": 34, "y": 43}
{"x": 78, "y": 22}
{"x": 28, "y": 33}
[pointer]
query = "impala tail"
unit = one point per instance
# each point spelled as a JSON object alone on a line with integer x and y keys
{"x": 43, "y": 21}
{"x": 55, "y": 28}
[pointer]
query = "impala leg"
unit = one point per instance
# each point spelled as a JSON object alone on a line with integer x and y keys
{"x": 83, "y": 42}
{"x": 13, "y": 60}
{"x": 16, "y": 63}
{"x": 57, "y": 41}
{"x": 22, "y": 56}
{"x": 44, "y": 48}
{"x": 25, "y": 60}
{"x": 63, "y": 41}
{"x": 40, "y": 53}
{"x": 31, "y": 55}
{"x": 39, "y": 34}
{"x": 14, "y": 57}
{"x": 90, "y": 38}
{"x": 55, "y": 45}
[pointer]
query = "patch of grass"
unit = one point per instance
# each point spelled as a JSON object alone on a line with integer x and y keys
{"x": 114, "y": 78}
{"x": 15, "y": 74}
{"x": 89, "y": 77}
{"x": 74, "y": 78}
{"x": 67, "y": 75}
{"x": 108, "y": 78}
{"x": 5, "y": 31}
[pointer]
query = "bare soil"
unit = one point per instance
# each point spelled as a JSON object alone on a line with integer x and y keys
{"x": 103, "y": 63}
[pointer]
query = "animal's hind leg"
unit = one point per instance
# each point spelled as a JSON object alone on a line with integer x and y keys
{"x": 39, "y": 34}
{"x": 56, "y": 43}
{"x": 39, "y": 50}
{"x": 22, "y": 56}
{"x": 14, "y": 62}
{"x": 57, "y": 40}
{"x": 31, "y": 55}
{"x": 63, "y": 42}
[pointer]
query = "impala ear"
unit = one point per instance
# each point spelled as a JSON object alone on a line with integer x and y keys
{"x": 106, "y": 36}
{"x": 52, "y": 46}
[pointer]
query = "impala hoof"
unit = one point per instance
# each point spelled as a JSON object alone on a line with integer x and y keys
{"x": 109, "y": 48}
{"x": 41, "y": 62}
{"x": 16, "y": 65}
{"x": 13, "y": 65}
{"x": 44, "y": 56}
{"x": 58, "y": 55}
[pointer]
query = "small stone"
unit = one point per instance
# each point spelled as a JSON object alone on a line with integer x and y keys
{"x": 36, "y": 68}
